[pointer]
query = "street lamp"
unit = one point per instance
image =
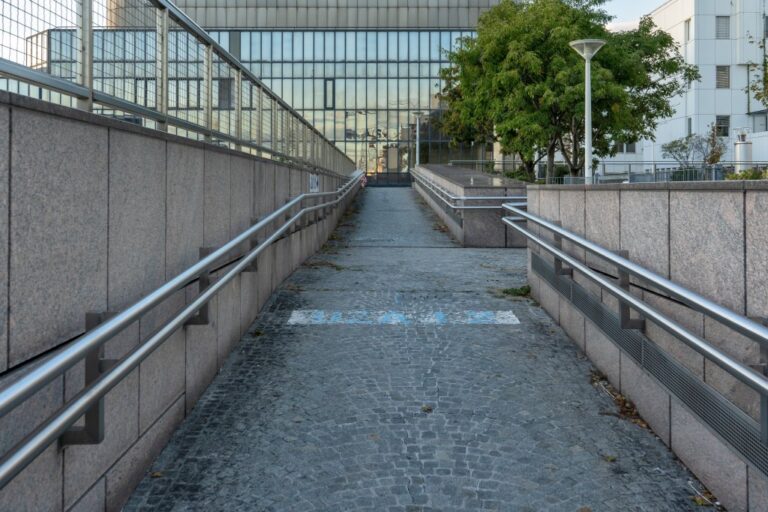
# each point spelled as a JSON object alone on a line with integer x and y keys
{"x": 587, "y": 48}
{"x": 418, "y": 137}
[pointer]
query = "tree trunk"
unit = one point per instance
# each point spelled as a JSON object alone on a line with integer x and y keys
{"x": 550, "y": 162}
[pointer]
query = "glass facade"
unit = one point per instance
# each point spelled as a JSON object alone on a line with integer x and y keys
{"x": 359, "y": 88}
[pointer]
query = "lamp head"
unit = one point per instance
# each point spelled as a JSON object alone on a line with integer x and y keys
{"x": 587, "y": 48}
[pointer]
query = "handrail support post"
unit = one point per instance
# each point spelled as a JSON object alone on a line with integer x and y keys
{"x": 559, "y": 269}
{"x": 92, "y": 432}
{"x": 254, "y": 265}
{"x": 626, "y": 321}
{"x": 203, "y": 316}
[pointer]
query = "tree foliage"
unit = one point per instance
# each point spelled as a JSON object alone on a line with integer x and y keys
{"x": 519, "y": 83}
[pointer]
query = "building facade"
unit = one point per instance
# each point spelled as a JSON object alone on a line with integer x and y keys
{"x": 722, "y": 38}
{"x": 358, "y": 70}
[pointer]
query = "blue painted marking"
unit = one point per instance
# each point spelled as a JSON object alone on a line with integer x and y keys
{"x": 481, "y": 317}
{"x": 393, "y": 318}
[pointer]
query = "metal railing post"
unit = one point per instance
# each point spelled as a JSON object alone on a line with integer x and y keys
{"x": 162, "y": 68}
{"x": 84, "y": 54}
{"x": 238, "y": 109}
{"x": 208, "y": 92}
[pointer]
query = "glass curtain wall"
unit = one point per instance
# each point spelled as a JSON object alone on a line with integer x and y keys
{"x": 359, "y": 88}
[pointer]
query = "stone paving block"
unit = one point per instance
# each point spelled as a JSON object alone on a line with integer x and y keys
{"x": 709, "y": 458}
{"x": 572, "y": 322}
{"x": 38, "y": 487}
{"x": 421, "y": 415}
{"x": 691, "y": 320}
{"x": 5, "y": 137}
{"x": 757, "y": 248}
{"x": 605, "y": 355}
{"x": 650, "y": 397}
{"x": 645, "y": 228}
{"x": 185, "y": 202}
{"x": 201, "y": 356}
{"x": 217, "y": 191}
{"x": 707, "y": 244}
{"x": 137, "y": 203}
{"x": 94, "y": 500}
{"x": 162, "y": 377}
{"x": 59, "y": 202}
{"x": 758, "y": 490}
{"x": 229, "y": 319}
{"x": 127, "y": 472}
{"x": 85, "y": 464}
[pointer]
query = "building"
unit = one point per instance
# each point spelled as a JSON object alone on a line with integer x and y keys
{"x": 358, "y": 70}
{"x": 723, "y": 39}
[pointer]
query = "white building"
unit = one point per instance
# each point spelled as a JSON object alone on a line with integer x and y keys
{"x": 722, "y": 38}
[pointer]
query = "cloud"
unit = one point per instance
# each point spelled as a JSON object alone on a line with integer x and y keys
{"x": 620, "y": 26}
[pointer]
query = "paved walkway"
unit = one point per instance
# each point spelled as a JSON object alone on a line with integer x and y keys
{"x": 388, "y": 374}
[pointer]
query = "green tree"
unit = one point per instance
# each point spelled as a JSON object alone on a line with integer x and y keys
{"x": 520, "y": 77}
{"x": 707, "y": 149}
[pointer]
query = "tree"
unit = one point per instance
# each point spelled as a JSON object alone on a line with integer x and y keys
{"x": 758, "y": 84}
{"x": 686, "y": 151}
{"x": 520, "y": 77}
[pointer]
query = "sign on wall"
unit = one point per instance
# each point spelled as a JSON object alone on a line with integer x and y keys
{"x": 314, "y": 183}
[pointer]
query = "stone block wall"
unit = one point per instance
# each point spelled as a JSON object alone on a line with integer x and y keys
{"x": 472, "y": 228}
{"x": 94, "y": 214}
{"x": 711, "y": 238}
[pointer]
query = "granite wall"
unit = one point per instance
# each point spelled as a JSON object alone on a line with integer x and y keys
{"x": 96, "y": 213}
{"x": 711, "y": 238}
{"x": 472, "y": 228}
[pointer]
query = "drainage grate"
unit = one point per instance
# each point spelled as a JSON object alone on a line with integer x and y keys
{"x": 731, "y": 423}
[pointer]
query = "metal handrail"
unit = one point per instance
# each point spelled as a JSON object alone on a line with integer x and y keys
{"x": 447, "y": 197}
{"x": 742, "y": 324}
{"x": 743, "y": 373}
{"x": 14, "y": 394}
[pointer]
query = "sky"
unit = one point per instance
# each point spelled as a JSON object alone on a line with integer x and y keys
{"x": 628, "y": 12}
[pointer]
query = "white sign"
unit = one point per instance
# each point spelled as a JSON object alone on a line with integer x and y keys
{"x": 314, "y": 183}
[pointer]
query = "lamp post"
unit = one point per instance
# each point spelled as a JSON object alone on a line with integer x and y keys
{"x": 587, "y": 48}
{"x": 418, "y": 137}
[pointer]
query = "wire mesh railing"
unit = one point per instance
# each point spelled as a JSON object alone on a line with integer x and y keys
{"x": 146, "y": 62}
{"x": 625, "y": 171}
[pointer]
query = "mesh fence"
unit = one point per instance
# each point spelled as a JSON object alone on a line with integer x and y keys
{"x": 144, "y": 62}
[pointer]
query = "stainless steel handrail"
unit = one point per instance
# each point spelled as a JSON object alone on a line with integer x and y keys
{"x": 743, "y": 373}
{"x": 739, "y": 323}
{"x": 20, "y": 390}
{"x": 447, "y": 197}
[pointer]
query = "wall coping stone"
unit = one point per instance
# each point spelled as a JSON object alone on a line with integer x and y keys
{"x": 46, "y": 107}
{"x": 703, "y": 186}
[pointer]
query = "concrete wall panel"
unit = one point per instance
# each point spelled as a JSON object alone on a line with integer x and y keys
{"x": 229, "y": 319}
{"x": 126, "y": 474}
{"x": 603, "y": 353}
{"x": 58, "y": 231}
{"x": 38, "y": 487}
{"x": 5, "y": 177}
{"x": 602, "y": 223}
{"x": 709, "y": 458}
{"x": 216, "y": 224}
{"x": 241, "y": 201}
{"x": 185, "y": 201}
{"x": 707, "y": 244}
{"x": 572, "y": 215}
{"x": 136, "y": 217}
{"x": 757, "y": 249}
{"x": 645, "y": 228}
{"x": 161, "y": 381}
{"x": 86, "y": 464}
{"x": 651, "y": 398}
{"x": 93, "y": 500}
{"x": 201, "y": 356}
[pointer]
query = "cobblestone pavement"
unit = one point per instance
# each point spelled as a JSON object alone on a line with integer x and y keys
{"x": 412, "y": 416}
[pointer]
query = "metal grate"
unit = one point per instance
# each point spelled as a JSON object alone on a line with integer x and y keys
{"x": 724, "y": 418}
